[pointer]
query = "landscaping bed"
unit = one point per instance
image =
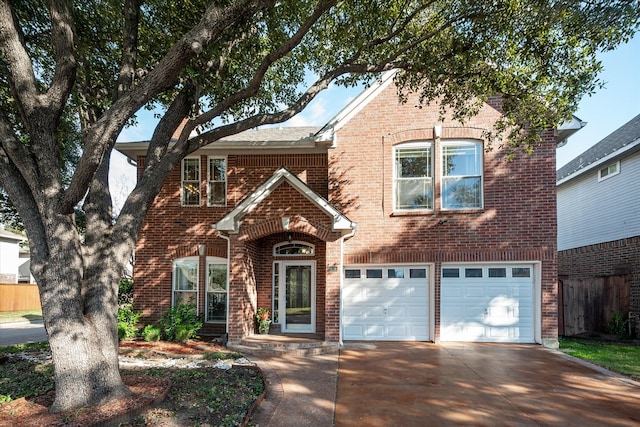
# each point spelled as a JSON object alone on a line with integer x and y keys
{"x": 204, "y": 396}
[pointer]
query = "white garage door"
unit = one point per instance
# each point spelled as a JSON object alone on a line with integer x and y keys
{"x": 492, "y": 303}
{"x": 386, "y": 303}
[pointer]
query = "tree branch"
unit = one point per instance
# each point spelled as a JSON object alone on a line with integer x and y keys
{"x": 129, "y": 48}
{"x": 100, "y": 137}
{"x": 253, "y": 86}
{"x": 22, "y": 81}
{"x": 65, "y": 72}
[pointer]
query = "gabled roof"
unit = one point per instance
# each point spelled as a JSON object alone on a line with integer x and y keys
{"x": 231, "y": 221}
{"x": 267, "y": 134}
{"x": 625, "y": 139}
{"x": 355, "y": 106}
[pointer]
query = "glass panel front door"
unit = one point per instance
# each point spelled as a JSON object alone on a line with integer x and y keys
{"x": 299, "y": 298}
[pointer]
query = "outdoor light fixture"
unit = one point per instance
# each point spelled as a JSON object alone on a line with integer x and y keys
{"x": 285, "y": 222}
{"x": 202, "y": 249}
{"x": 289, "y": 237}
{"x": 437, "y": 131}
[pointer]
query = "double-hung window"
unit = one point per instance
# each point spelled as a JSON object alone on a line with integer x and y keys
{"x": 216, "y": 290}
{"x": 185, "y": 281}
{"x": 217, "y": 182}
{"x": 190, "y": 188}
{"x": 413, "y": 176}
{"x": 461, "y": 184}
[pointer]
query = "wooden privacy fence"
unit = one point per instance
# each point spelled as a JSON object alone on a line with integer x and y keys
{"x": 19, "y": 297}
{"x": 587, "y": 305}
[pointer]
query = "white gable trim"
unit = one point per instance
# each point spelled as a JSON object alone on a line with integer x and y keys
{"x": 231, "y": 221}
{"x": 354, "y": 107}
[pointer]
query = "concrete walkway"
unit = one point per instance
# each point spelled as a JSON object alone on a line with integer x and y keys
{"x": 301, "y": 391}
{"x": 419, "y": 384}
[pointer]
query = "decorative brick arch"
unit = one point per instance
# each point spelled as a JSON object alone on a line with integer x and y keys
{"x": 297, "y": 224}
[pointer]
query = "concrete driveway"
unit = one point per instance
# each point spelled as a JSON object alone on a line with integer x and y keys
{"x": 422, "y": 384}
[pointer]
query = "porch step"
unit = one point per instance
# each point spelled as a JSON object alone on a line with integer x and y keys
{"x": 267, "y": 346}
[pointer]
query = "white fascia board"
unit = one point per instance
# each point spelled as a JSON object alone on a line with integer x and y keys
{"x": 606, "y": 159}
{"x": 355, "y": 106}
{"x": 568, "y": 128}
{"x": 231, "y": 221}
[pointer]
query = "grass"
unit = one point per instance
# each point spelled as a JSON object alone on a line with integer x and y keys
{"x": 20, "y": 316}
{"x": 624, "y": 359}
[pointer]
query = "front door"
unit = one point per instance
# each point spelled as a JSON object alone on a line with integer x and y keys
{"x": 297, "y": 296}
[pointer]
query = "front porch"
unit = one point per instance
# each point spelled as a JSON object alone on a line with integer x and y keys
{"x": 278, "y": 344}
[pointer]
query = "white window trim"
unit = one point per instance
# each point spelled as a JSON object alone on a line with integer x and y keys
{"x": 458, "y": 143}
{"x": 609, "y": 174}
{"x": 282, "y": 265}
{"x": 220, "y": 261}
{"x": 419, "y": 144}
{"x": 209, "y": 180}
{"x": 182, "y": 182}
{"x": 173, "y": 280}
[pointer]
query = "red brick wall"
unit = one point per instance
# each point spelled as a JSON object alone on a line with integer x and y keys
{"x": 517, "y": 223}
{"x": 173, "y": 231}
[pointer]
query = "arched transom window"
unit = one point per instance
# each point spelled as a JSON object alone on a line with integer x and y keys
{"x": 294, "y": 249}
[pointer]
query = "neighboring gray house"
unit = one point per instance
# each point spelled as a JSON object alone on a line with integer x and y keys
{"x": 599, "y": 212}
{"x": 9, "y": 256}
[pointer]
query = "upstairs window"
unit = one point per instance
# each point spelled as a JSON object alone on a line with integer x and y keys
{"x": 607, "y": 172}
{"x": 461, "y": 175}
{"x": 190, "y": 188}
{"x": 217, "y": 182}
{"x": 413, "y": 176}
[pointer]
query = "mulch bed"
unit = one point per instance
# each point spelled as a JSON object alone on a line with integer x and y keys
{"x": 147, "y": 391}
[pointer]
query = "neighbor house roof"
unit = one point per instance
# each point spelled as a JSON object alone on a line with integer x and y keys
{"x": 4, "y": 234}
{"x": 624, "y": 140}
{"x": 231, "y": 221}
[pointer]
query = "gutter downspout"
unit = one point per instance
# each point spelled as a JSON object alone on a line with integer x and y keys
{"x": 226, "y": 327}
{"x": 340, "y": 271}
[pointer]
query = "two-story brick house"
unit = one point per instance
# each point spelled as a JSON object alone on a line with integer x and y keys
{"x": 388, "y": 223}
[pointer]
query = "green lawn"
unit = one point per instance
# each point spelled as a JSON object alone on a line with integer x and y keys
{"x": 20, "y": 316}
{"x": 624, "y": 359}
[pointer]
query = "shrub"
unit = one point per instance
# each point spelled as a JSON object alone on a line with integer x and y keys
{"x": 183, "y": 317}
{"x": 125, "y": 291}
{"x": 127, "y": 318}
{"x": 618, "y": 325}
{"x": 151, "y": 333}
{"x": 184, "y": 333}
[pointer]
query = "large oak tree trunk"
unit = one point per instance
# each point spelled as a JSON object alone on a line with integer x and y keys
{"x": 78, "y": 291}
{"x": 86, "y": 365}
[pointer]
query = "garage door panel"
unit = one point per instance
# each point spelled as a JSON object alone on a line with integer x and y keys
{"x": 388, "y": 308}
{"x": 473, "y": 291}
{"x": 487, "y": 309}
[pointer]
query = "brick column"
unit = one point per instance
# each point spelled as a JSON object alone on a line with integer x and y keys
{"x": 332, "y": 296}
{"x": 242, "y": 290}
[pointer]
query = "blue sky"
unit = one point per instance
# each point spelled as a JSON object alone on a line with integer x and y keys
{"x": 605, "y": 111}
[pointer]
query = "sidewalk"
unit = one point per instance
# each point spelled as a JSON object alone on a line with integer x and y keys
{"x": 301, "y": 391}
{"x": 22, "y": 333}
